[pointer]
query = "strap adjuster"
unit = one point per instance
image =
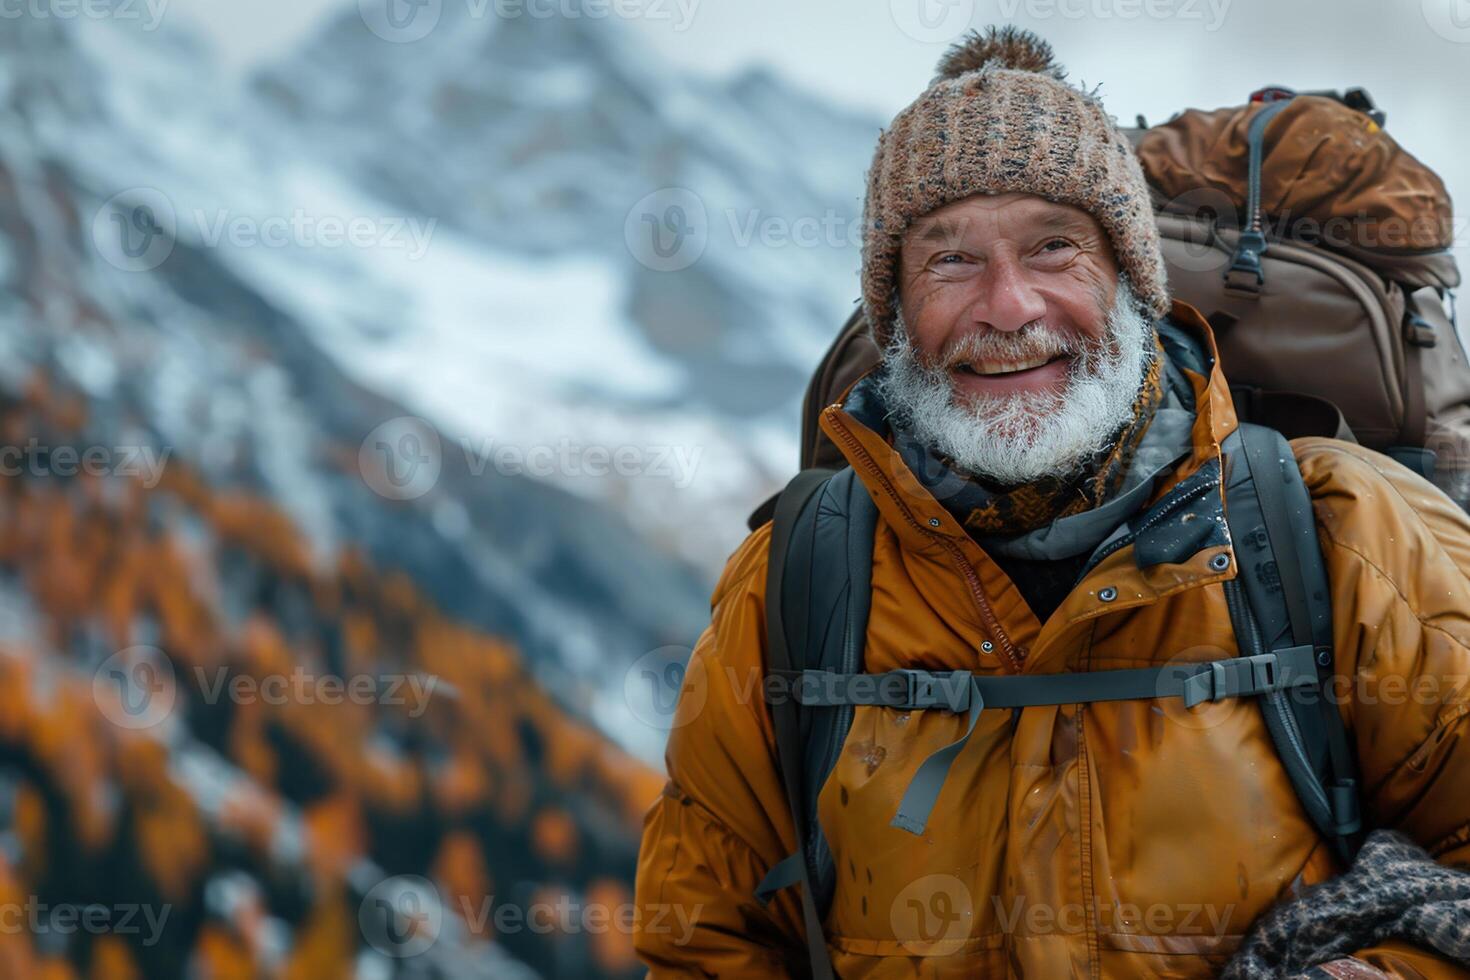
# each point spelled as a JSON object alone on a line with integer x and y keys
{"x": 1245, "y": 676}
{"x": 1207, "y": 685}
{"x": 929, "y": 689}
{"x": 1346, "y": 816}
{"x": 1263, "y": 671}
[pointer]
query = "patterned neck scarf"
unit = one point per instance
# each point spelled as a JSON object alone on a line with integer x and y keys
{"x": 996, "y": 510}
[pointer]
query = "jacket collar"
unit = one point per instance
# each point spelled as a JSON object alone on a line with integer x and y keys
{"x": 923, "y": 525}
{"x": 856, "y": 425}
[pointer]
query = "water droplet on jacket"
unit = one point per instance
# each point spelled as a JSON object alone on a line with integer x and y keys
{"x": 870, "y": 755}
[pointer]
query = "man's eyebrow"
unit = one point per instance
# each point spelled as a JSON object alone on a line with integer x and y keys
{"x": 1061, "y": 221}
{"x": 949, "y": 231}
{"x": 940, "y": 231}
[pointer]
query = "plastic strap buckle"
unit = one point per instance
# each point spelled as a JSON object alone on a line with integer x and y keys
{"x": 927, "y": 689}
{"x": 1240, "y": 677}
{"x": 1264, "y": 673}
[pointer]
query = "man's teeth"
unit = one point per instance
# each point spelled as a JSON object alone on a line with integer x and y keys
{"x": 1011, "y": 367}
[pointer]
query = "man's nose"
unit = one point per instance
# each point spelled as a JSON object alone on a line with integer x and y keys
{"x": 1008, "y": 299}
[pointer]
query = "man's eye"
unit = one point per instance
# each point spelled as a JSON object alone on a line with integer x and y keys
{"x": 1055, "y": 244}
{"x": 951, "y": 258}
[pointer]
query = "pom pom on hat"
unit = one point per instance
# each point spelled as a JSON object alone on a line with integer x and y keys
{"x": 1000, "y": 47}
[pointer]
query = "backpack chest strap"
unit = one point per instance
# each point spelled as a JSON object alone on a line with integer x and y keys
{"x": 956, "y": 690}
{"x": 960, "y": 690}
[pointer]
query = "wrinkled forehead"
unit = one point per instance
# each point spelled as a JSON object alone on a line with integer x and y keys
{"x": 985, "y": 218}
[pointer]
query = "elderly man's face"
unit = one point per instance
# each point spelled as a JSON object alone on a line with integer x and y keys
{"x": 994, "y": 287}
{"x": 1019, "y": 351}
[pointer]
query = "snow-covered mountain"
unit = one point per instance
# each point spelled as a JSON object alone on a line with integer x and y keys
{"x": 604, "y": 423}
{"x": 148, "y": 257}
{"x": 516, "y": 312}
{"x": 551, "y": 151}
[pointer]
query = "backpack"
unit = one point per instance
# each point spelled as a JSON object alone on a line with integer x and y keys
{"x": 818, "y": 594}
{"x": 1318, "y": 251}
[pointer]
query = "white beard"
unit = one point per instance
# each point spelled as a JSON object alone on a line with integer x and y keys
{"x": 1016, "y": 439}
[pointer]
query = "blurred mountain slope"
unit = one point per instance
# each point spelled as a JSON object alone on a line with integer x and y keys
{"x": 239, "y": 388}
{"x": 257, "y": 826}
{"x": 212, "y": 354}
{"x": 563, "y": 142}
{"x": 233, "y": 529}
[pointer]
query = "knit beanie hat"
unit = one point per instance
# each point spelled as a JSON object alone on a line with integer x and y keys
{"x": 999, "y": 117}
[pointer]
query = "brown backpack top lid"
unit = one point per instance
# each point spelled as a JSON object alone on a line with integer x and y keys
{"x": 1329, "y": 175}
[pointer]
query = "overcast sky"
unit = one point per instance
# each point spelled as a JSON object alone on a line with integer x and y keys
{"x": 1151, "y": 56}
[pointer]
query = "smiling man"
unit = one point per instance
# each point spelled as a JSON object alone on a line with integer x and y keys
{"x": 1050, "y": 373}
{"x": 1089, "y": 762}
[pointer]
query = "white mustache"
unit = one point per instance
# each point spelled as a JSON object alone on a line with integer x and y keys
{"x": 1030, "y": 343}
{"x": 1015, "y": 439}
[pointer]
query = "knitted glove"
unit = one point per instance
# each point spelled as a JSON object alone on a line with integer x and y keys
{"x": 1394, "y": 890}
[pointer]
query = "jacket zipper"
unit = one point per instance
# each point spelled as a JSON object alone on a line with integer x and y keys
{"x": 977, "y": 595}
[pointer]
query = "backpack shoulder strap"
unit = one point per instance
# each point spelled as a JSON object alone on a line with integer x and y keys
{"x": 818, "y": 593}
{"x": 1280, "y": 600}
{"x": 818, "y": 599}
